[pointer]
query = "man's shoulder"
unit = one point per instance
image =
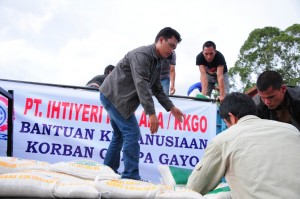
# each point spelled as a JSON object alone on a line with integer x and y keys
{"x": 200, "y": 55}
{"x": 262, "y": 110}
{"x": 219, "y": 53}
{"x": 219, "y": 56}
{"x": 100, "y": 77}
{"x": 141, "y": 48}
{"x": 149, "y": 49}
{"x": 225, "y": 137}
{"x": 245, "y": 124}
{"x": 294, "y": 92}
{"x": 200, "y": 59}
{"x": 234, "y": 131}
{"x": 256, "y": 99}
{"x": 97, "y": 79}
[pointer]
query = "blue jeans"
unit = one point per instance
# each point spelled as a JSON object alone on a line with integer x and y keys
{"x": 126, "y": 134}
{"x": 166, "y": 85}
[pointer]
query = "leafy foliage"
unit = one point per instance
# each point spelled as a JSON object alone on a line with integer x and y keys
{"x": 268, "y": 48}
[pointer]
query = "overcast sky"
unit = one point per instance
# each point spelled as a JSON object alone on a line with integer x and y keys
{"x": 70, "y": 41}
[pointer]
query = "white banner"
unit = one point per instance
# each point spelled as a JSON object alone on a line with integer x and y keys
{"x": 62, "y": 124}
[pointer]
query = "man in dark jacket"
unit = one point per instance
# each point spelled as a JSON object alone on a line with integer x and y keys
{"x": 125, "y": 89}
{"x": 276, "y": 101}
{"x": 96, "y": 81}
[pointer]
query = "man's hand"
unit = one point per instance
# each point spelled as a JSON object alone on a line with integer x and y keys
{"x": 177, "y": 113}
{"x": 220, "y": 98}
{"x": 153, "y": 123}
{"x": 172, "y": 90}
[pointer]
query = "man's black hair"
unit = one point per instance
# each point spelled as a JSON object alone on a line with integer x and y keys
{"x": 239, "y": 104}
{"x": 208, "y": 44}
{"x": 108, "y": 69}
{"x": 269, "y": 79}
{"x": 168, "y": 33}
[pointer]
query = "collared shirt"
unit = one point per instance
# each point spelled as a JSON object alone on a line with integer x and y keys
{"x": 128, "y": 84}
{"x": 259, "y": 158}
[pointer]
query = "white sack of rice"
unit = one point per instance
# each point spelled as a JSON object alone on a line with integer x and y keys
{"x": 38, "y": 183}
{"x": 27, "y": 184}
{"x": 86, "y": 169}
{"x": 13, "y": 164}
{"x": 72, "y": 187}
{"x": 126, "y": 188}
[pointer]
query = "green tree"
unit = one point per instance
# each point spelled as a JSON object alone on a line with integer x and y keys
{"x": 268, "y": 48}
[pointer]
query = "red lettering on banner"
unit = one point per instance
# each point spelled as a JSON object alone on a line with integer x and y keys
{"x": 65, "y": 106}
{"x": 96, "y": 114}
{"x": 195, "y": 123}
{"x": 186, "y": 123}
{"x": 107, "y": 119}
{"x": 177, "y": 125}
{"x": 55, "y": 109}
{"x": 160, "y": 120}
{"x": 48, "y": 109}
{"x": 192, "y": 123}
{"x": 85, "y": 112}
{"x": 29, "y": 104}
{"x": 73, "y": 111}
{"x": 143, "y": 120}
{"x": 77, "y": 111}
{"x": 203, "y": 124}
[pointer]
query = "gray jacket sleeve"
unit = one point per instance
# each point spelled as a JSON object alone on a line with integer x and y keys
{"x": 146, "y": 74}
{"x": 140, "y": 65}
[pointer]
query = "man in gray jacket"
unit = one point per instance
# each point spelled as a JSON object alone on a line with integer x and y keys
{"x": 125, "y": 89}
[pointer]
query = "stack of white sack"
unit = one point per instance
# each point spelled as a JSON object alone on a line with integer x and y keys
{"x": 127, "y": 188}
{"x": 29, "y": 178}
{"x": 77, "y": 179}
{"x": 45, "y": 184}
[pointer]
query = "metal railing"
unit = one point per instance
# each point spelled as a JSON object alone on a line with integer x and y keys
{"x": 96, "y": 89}
{"x": 9, "y": 95}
